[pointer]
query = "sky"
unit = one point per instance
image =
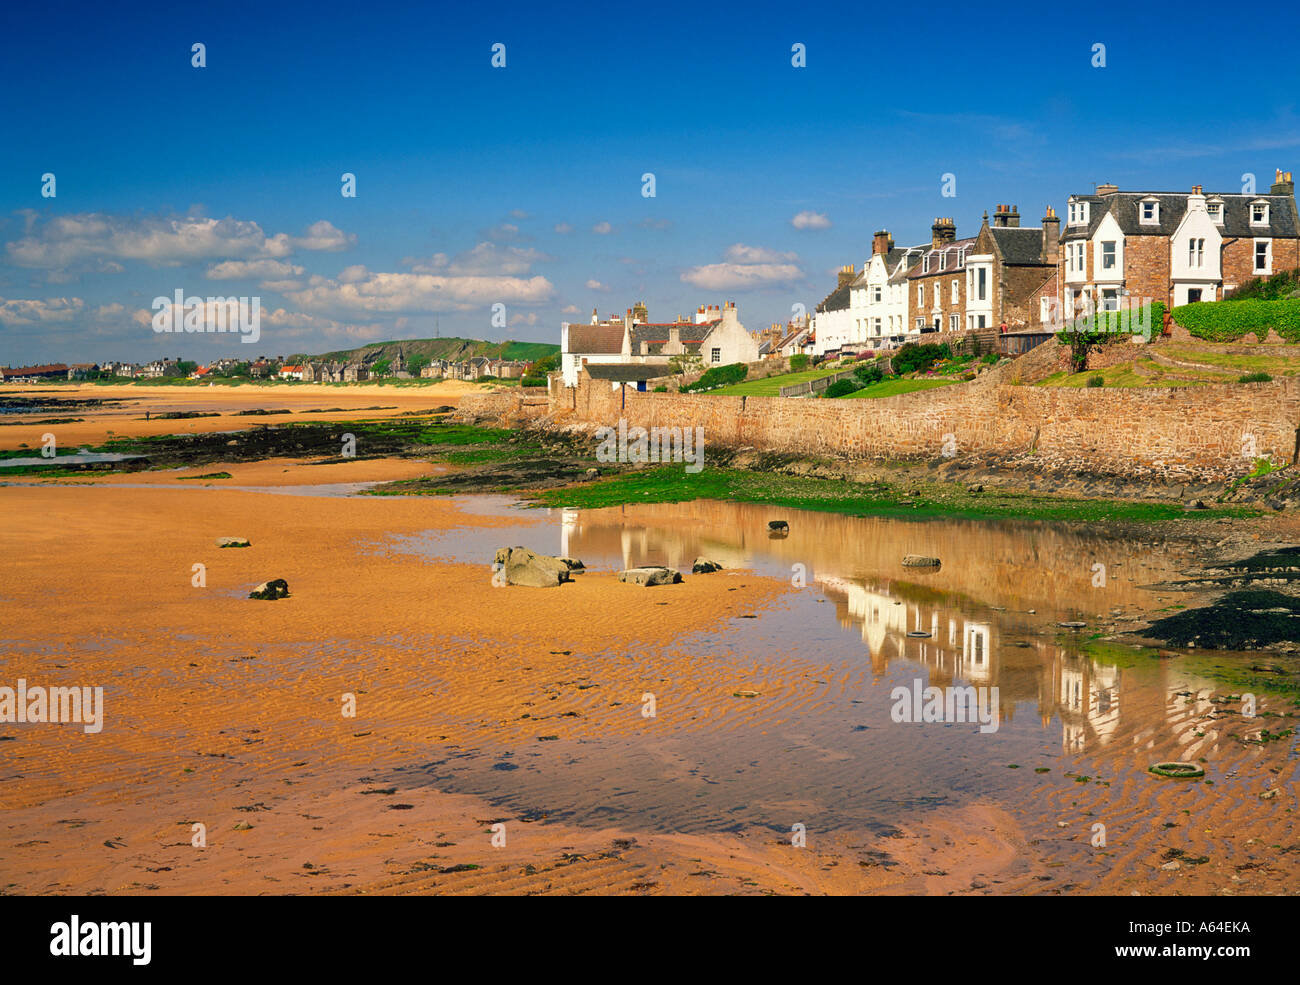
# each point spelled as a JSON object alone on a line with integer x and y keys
{"x": 498, "y": 201}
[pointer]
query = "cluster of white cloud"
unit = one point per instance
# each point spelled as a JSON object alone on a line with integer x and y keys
{"x": 96, "y": 241}
{"x": 746, "y": 267}
{"x": 22, "y": 311}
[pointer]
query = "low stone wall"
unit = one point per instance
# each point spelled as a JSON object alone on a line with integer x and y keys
{"x": 505, "y": 406}
{"x": 1211, "y": 432}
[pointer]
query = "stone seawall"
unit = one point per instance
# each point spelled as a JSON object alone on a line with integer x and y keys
{"x": 1212, "y": 432}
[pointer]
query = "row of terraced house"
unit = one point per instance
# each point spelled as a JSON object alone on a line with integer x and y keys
{"x": 1115, "y": 249}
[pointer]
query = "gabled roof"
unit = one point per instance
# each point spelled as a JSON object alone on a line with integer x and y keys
{"x": 651, "y": 337}
{"x": 595, "y": 339}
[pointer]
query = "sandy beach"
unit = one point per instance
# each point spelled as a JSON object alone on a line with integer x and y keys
{"x": 229, "y": 713}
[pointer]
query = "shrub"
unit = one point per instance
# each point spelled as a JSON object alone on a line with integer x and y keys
{"x": 1083, "y": 334}
{"x": 661, "y": 389}
{"x": 532, "y": 381}
{"x": 1227, "y": 321}
{"x": 913, "y": 357}
{"x": 990, "y": 357}
{"x": 1255, "y": 378}
{"x": 866, "y": 375}
{"x": 1282, "y": 285}
{"x": 718, "y": 376}
{"x": 841, "y": 388}
{"x": 1096, "y": 381}
{"x": 799, "y": 361}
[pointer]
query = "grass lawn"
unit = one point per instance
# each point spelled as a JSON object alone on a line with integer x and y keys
{"x": 1141, "y": 372}
{"x": 1241, "y": 364}
{"x": 771, "y": 386}
{"x": 893, "y": 387}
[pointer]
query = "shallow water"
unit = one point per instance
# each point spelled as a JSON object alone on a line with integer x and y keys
{"x": 855, "y": 625}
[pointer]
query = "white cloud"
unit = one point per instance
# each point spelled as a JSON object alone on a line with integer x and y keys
{"x": 100, "y": 241}
{"x": 563, "y": 228}
{"x": 23, "y": 311}
{"x": 236, "y": 269}
{"x": 383, "y": 293}
{"x": 595, "y": 285}
{"x": 602, "y": 229}
{"x": 483, "y": 259}
{"x": 811, "y": 220}
{"x": 570, "y": 309}
{"x": 325, "y": 236}
{"x": 746, "y": 267}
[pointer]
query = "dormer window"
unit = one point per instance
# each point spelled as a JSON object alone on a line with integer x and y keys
{"x": 1259, "y": 213}
{"x": 1149, "y": 211}
{"x": 925, "y": 264}
{"x": 961, "y": 258}
{"x": 1078, "y": 213}
{"x": 1215, "y": 208}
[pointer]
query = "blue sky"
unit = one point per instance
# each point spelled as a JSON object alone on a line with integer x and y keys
{"x": 522, "y": 185}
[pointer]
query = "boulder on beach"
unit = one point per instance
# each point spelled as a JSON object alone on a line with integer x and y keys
{"x": 276, "y": 588}
{"x": 920, "y": 561}
{"x": 650, "y": 576}
{"x": 233, "y": 542}
{"x": 521, "y": 566}
{"x": 778, "y": 525}
{"x": 703, "y": 566}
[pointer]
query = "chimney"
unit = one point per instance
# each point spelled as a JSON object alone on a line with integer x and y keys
{"x": 1051, "y": 236}
{"x": 1107, "y": 189}
{"x": 674, "y": 336}
{"x": 1006, "y": 217}
{"x": 847, "y": 273}
{"x": 943, "y": 231}
{"x": 882, "y": 243}
{"x": 1284, "y": 184}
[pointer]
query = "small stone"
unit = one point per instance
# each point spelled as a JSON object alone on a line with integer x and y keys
{"x": 920, "y": 561}
{"x": 778, "y": 525}
{"x": 243, "y": 826}
{"x": 703, "y": 566}
{"x": 1170, "y": 866}
{"x": 276, "y": 588}
{"x": 649, "y": 576}
{"x": 233, "y": 542}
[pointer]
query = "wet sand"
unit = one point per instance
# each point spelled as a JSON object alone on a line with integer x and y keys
{"x": 227, "y": 711}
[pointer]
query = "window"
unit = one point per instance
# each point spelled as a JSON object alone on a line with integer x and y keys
{"x": 878, "y": 325}
{"x": 716, "y": 355}
{"x": 919, "y": 323}
{"x": 1078, "y": 213}
{"x": 925, "y": 264}
{"x": 1109, "y": 299}
{"x": 875, "y": 294}
{"x": 1216, "y": 211}
{"x": 961, "y": 258}
{"x": 1108, "y": 255}
{"x": 1149, "y": 211}
{"x": 981, "y": 290}
{"x": 981, "y": 322}
{"x": 954, "y": 322}
{"x": 920, "y": 295}
{"x": 955, "y": 289}
{"x": 1263, "y": 260}
{"x": 1196, "y": 253}
{"x": 1259, "y": 213}
{"x": 936, "y": 294}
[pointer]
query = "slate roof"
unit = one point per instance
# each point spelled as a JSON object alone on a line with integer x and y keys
{"x": 1282, "y": 219}
{"x": 948, "y": 259}
{"x": 626, "y": 372}
{"x": 837, "y": 300}
{"x": 595, "y": 339}
{"x": 895, "y": 261}
{"x": 649, "y": 338}
{"x": 1021, "y": 246}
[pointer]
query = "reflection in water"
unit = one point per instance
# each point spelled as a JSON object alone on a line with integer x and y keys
{"x": 860, "y": 623}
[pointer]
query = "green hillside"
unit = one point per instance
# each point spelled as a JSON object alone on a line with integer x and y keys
{"x": 452, "y": 349}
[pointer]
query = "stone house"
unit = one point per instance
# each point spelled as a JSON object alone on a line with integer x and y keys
{"x": 1121, "y": 248}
